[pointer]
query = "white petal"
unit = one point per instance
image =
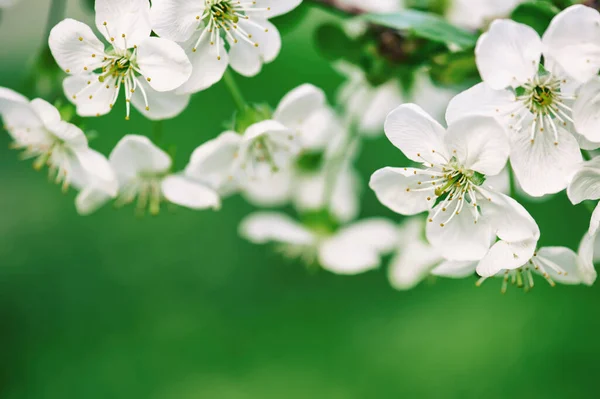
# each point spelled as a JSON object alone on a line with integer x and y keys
{"x": 91, "y": 199}
{"x": 505, "y": 255}
{"x": 46, "y": 112}
{"x": 461, "y": 238}
{"x": 209, "y": 63}
{"x": 573, "y": 41}
{"x": 415, "y": 257}
{"x": 185, "y": 192}
{"x": 585, "y": 184}
{"x": 163, "y": 63}
{"x": 393, "y": 189}
{"x": 510, "y": 220}
{"x": 137, "y": 154}
{"x": 586, "y": 111}
{"x": 212, "y": 162}
{"x": 479, "y": 142}
{"x": 276, "y": 190}
{"x": 70, "y": 134}
{"x": 161, "y": 105}
{"x": 595, "y": 221}
{"x": 345, "y": 200}
{"x": 508, "y": 54}
{"x": 357, "y": 248}
{"x": 480, "y": 99}
{"x": 416, "y": 134}
{"x": 544, "y": 167}
{"x": 92, "y": 97}
{"x": 585, "y": 259}
{"x": 320, "y": 130}
{"x": 274, "y": 8}
{"x": 16, "y": 110}
{"x": 247, "y": 58}
{"x": 176, "y": 19}
{"x": 432, "y": 98}
{"x": 98, "y": 170}
{"x": 455, "y": 269}
{"x": 374, "y": 104}
{"x": 75, "y": 47}
{"x": 264, "y": 227}
{"x": 562, "y": 257}
{"x": 115, "y": 18}
{"x": 299, "y": 104}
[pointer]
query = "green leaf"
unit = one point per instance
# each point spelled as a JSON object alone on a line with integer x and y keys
{"x": 333, "y": 43}
{"x": 536, "y": 14}
{"x": 425, "y": 25}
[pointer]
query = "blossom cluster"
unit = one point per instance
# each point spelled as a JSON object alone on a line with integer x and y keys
{"x": 525, "y": 130}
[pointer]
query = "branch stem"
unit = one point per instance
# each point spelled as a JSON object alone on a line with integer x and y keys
{"x": 234, "y": 90}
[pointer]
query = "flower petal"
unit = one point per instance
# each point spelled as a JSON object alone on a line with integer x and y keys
{"x": 124, "y": 23}
{"x": 595, "y": 221}
{"x": 274, "y": 8}
{"x": 90, "y": 96}
{"x": 247, "y": 58}
{"x": 481, "y": 99}
{"x": 16, "y": 110}
{"x": 137, "y": 154}
{"x": 394, "y": 188}
{"x": 176, "y": 19}
{"x": 585, "y": 184}
{"x": 585, "y": 259}
{"x": 46, "y": 112}
{"x": 75, "y": 47}
{"x": 274, "y": 191}
{"x": 163, "y": 63}
{"x": 455, "y": 269}
{"x": 563, "y": 258}
{"x": 98, "y": 171}
{"x": 209, "y": 63}
{"x": 416, "y": 134}
{"x": 461, "y": 238}
{"x": 185, "y": 192}
{"x": 510, "y": 220}
{"x": 299, "y": 104}
{"x": 264, "y": 227}
{"x": 90, "y": 199}
{"x": 160, "y": 105}
{"x": 508, "y": 54}
{"x": 480, "y": 143}
{"x": 544, "y": 167}
{"x": 586, "y": 114}
{"x": 505, "y": 255}
{"x": 573, "y": 41}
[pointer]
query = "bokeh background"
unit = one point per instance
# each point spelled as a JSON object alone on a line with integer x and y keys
{"x": 180, "y": 307}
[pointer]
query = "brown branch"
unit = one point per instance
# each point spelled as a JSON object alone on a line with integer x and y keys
{"x": 340, "y": 7}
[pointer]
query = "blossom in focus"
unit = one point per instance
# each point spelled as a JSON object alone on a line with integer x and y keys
{"x": 534, "y": 102}
{"x": 36, "y": 128}
{"x": 143, "y": 173}
{"x": 148, "y": 69}
{"x": 351, "y": 249}
{"x": 218, "y": 33}
{"x": 465, "y": 214}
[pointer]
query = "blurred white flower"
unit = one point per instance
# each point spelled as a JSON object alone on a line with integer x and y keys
{"x": 8, "y": 3}
{"x": 36, "y": 127}
{"x": 588, "y": 254}
{"x": 369, "y": 105}
{"x": 320, "y": 135}
{"x": 534, "y": 104}
{"x": 585, "y": 185}
{"x": 143, "y": 172}
{"x": 147, "y": 68}
{"x": 465, "y": 215}
{"x": 475, "y": 15}
{"x": 218, "y": 33}
{"x": 352, "y": 249}
{"x": 371, "y": 6}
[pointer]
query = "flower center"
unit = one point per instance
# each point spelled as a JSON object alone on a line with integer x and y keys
{"x": 147, "y": 188}
{"x": 543, "y": 98}
{"x": 522, "y": 277}
{"x": 221, "y": 18}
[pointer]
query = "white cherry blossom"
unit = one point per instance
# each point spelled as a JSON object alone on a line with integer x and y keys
{"x": 465, "y": 214}
{"x": 143, "y": 173}
{"x": 37, "y": 128}
{"x": 585, "y": 185}
{"x": 218, "y": 33}
{"x": 351, "y": 249}
{"x": 534, "y": 102}
{"x": 148, "y": 69}
{"x": 475, "y": 15}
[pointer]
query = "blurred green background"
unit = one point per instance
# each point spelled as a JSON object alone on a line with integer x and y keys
{"x": 179, "y": 307}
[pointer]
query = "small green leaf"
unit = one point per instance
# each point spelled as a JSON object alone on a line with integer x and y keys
{"x": 425, "y": 25}
{"x": 478, "y": 179}
{"x": 537, "y": 14}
